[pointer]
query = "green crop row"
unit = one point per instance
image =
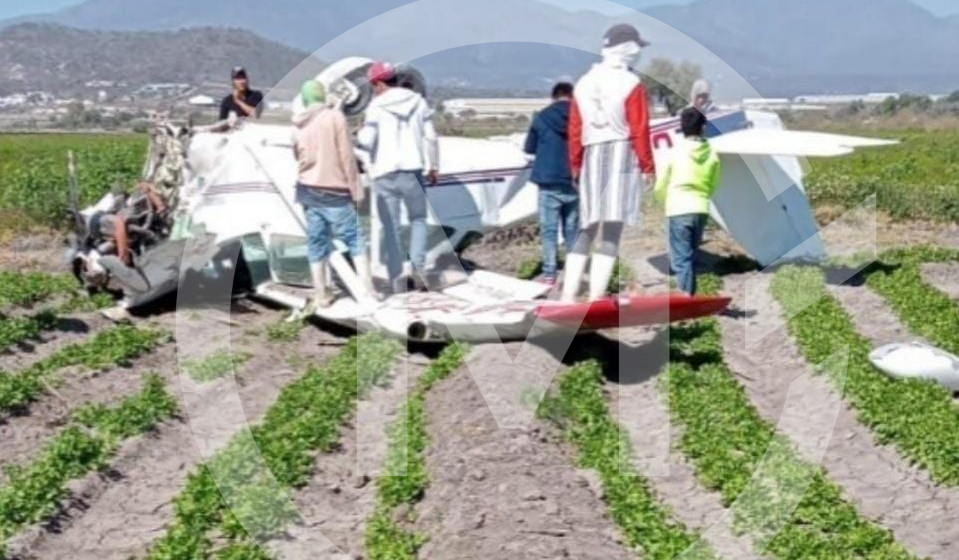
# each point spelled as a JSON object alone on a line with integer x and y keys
{"x": 284, "y": 331}
{"x": 24, "y": 289}
{"x": 788, "y": 507}
{"x": 916, "y": 180}
{"x": 33, "y": 174}
{"x": 918, "y": 417}
{"x": 405, "y": 476}
{"x": 17, "y": 330}
{"x": 923, "y": 309}
{"x": 33, "y": 492}
{"x": 215, "y": 365}
{"x": 580, "y": 408}
{"x": 242, "y": 489}
{"x": 115, "y": 346}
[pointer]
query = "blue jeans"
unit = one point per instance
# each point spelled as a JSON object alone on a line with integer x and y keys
{"x": 685, "y": 237}
{"x": 404, "y": 187}
{"x": 558, "y": 207}
{"x": 329, "y": 217}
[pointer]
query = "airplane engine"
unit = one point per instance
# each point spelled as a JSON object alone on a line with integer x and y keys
{"x": 346, "y": 81}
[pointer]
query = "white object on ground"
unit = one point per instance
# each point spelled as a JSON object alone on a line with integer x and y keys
{"x": 916, "y": 360}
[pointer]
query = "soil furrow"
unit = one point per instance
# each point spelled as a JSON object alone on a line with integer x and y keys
{"x": 874, "y": 477}
{"x": 872, "y": 317}
{"x": 505, "y": 493}
{"x": 118, "y": 515}
{"x": 24, "y": 434}
{"x": 943, "y": 276}
{"x": 640, "y": 409}
{"x": 341, "y": 494}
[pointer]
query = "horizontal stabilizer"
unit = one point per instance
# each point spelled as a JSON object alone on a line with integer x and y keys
{"x": 792, "y": 143}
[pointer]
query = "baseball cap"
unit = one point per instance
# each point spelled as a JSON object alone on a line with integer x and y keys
{"x": 238, "y": 72}
{"x": 381, "y": 72}
{"x": 623, "y": 33}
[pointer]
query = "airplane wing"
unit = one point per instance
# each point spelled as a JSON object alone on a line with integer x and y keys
{"x": 760, "y": 141}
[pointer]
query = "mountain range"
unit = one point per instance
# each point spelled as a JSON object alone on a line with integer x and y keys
{"x": 779, "y": 46}
{"x": 61, "y": 60}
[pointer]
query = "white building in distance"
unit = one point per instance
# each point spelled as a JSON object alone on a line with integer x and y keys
{"x": 202, "y": 101}
{"x": 493, "y": 108}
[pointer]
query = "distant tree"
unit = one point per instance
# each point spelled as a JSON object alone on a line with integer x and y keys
{"x": 953, "y": 97}
{"x": 889, "y": 106}
{"x": 916, "y": 103}
{"x": 905, "y": 102}
{"x": 670, "y": 83}
{"x": 854, "y": 109}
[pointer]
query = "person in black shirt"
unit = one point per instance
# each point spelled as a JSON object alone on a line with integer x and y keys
{"x": 243, "y": 102}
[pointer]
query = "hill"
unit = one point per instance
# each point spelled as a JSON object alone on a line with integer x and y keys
{"x": 61, "y": 60}
{"x": 780, "y": 44}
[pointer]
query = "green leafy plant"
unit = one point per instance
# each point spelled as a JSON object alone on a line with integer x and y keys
{"x": 918, "y": 417}
{"x": 17, "y": 330}
{"x": 33, "y": 174}
{"x": 284, "y": 331}
{"x": 215, "y": 365}
{"x": 405, "y": 476}
{"x": 730, "y": 445}
{"x": 34, "y": 491}
{"x": 25, "y": 289}
{"x": 580, "y": 408}
{"x": 925, "y": 310}
{"x": 114, "y": 346}
{"x": 242, "y": 489}
{"x": 915, "y": 180}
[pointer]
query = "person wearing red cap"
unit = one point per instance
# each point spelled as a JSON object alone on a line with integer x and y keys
{"x": 609, "y": 150}
{"x": 402, "y": 144}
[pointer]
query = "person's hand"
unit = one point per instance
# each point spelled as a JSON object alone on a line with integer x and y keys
{"x": 576, "y": 174}
{"x": 433, "y": 177}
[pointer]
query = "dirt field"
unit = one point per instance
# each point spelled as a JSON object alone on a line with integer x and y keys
{"x": 488, "y": 492}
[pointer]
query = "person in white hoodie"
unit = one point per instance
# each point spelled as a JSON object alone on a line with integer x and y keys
{"x": 403, "y": 150}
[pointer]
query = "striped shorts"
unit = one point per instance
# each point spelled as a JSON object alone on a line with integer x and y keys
{"x": 610, "y": 188}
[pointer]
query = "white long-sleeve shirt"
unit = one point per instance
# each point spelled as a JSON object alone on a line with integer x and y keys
{"x": 398, "y": 133}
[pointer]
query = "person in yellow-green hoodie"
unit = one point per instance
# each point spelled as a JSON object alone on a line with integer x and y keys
{"x": 687, "y": 186}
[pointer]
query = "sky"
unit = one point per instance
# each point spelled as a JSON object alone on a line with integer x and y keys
{"x": 11, "y": 8}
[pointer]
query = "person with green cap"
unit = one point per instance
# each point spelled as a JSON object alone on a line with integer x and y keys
{"x": 329, "y": 190}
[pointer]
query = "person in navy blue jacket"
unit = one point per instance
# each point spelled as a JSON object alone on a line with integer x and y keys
{"x": 558, "y": 198}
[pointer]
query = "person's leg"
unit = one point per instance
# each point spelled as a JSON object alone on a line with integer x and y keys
{"x": 681, "y": 251}
{"x": 388, "y": 210}
{"x": 122, "y": 240}
{"x": 576, "y": 263}
{"x": 318, "y": 248}
{"x": 414, "y": 195}
{"x": 549, "y": 209}
{"x": 341, "y": 214}
{"x": 699, "y": 228}
{"x": 570, "y": 216}
{"x": 604, "y": 259}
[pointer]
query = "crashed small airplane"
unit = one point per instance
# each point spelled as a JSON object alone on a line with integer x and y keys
{"x": 237, "y": 217}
